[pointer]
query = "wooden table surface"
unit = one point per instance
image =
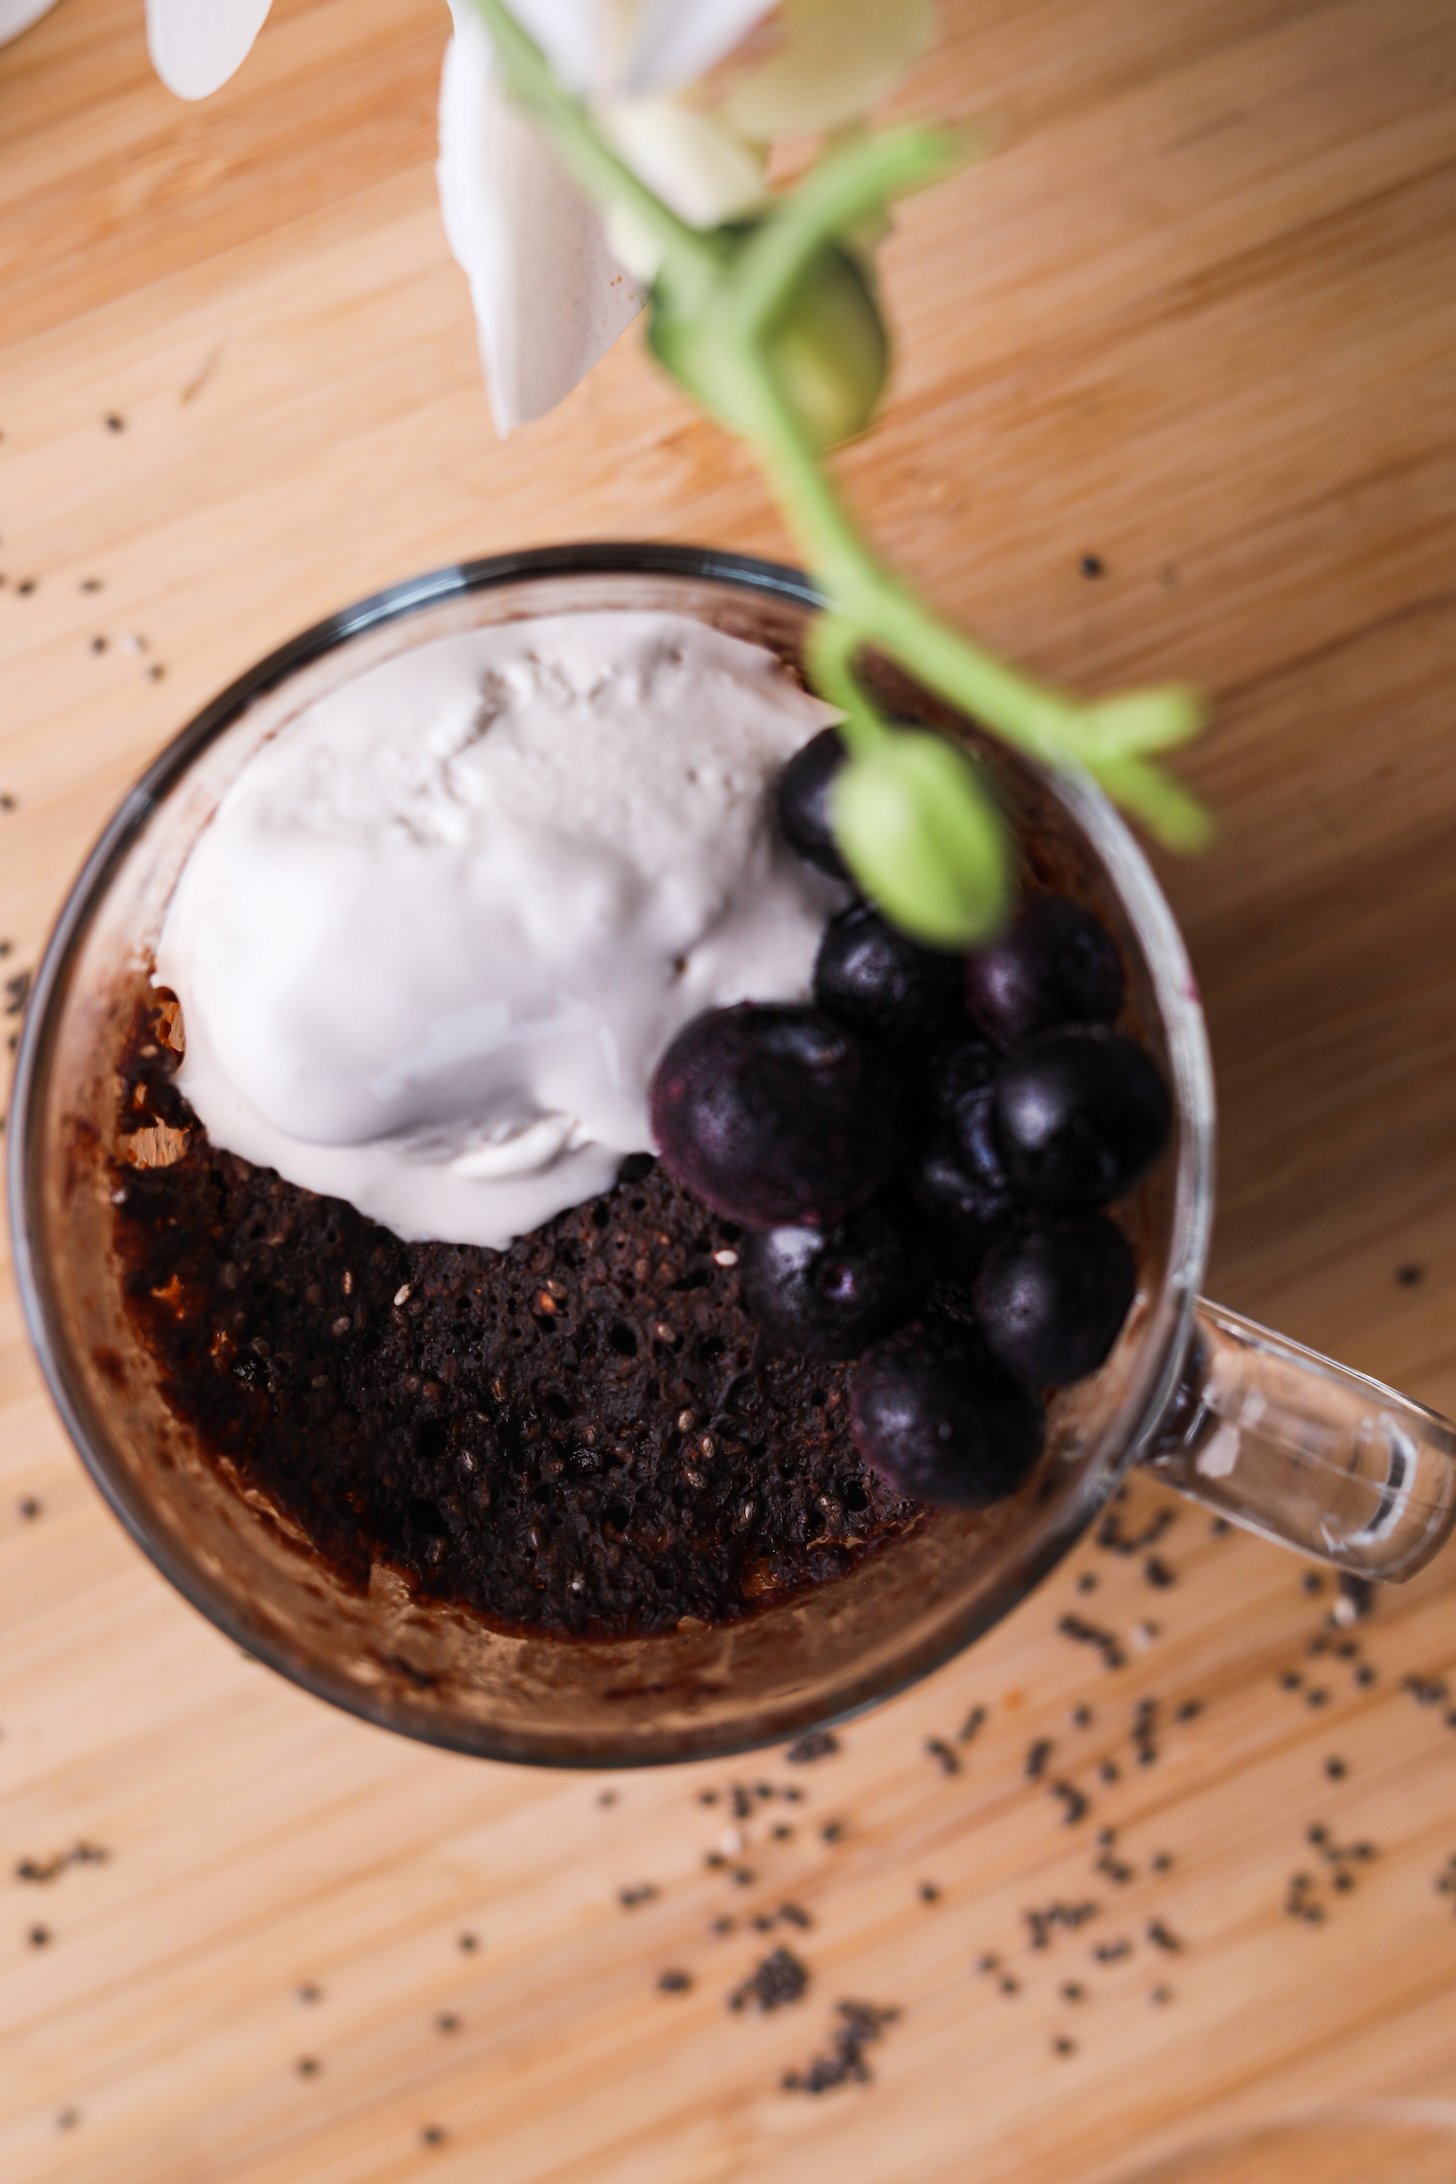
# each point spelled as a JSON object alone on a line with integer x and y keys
{"x": 1197, "y": 317}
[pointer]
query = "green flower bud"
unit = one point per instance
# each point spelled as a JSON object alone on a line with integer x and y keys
{"x": 829, "y": 349}
{"x": 918, "y": 829}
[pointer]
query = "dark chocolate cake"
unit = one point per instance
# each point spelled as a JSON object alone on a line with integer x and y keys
{"x": 583, "y": 1435}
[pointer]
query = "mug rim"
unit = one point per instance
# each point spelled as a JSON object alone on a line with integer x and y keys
{"x": 1137, "y": 890}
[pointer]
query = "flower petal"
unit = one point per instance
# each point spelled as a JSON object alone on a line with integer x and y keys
{"x": 197, "y": 44}
{"x": 835, "y": 58}
{"x": 18, "y": 15}
{"x": 671, "y": 43}
{"x": 549, "y": 296}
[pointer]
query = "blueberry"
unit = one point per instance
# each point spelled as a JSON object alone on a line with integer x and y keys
{"x": 875, "y": 977}
{"x": 1050, "y": 1297}
{"x": 940, "y": 1421}
{"x": 963, "y": 1096}
{"x": 1079, "y": 1115}
{"x": 1054, "y": 964}
{"x": 826, "y": 1293}
{"x": 961, "y": 1210}
{"x": 803, "y": 801}
{"x": 774, "y": 1114}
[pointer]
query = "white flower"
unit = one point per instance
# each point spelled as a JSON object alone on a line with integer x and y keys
{"x": 690, "y": 92}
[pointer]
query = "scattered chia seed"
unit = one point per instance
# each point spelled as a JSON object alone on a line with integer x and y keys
{"x": 1158, "y": 1573}
{"x": 794, "y": 1914}
{"x": 1189, "y": 1710}
{"x": 706, "y": 1797}
{"x": 156, "y": 672}
{"x": 943, "y": 1754}
{"x": 68, "y": 2119}
{"x": 308, "y": 1993}
{"x": 1075, "y": 1803}
{"x": 433, "y": 2134}
{"x": 1063, "y": 2046}
{"x": 1426, "y": 1690}
{"x": 1162, "y": 1862}
{"x": 1081, "y": 1717}
{"x": 631, "y": 1898}
{"x": 832, "y": 1832}
{"x": 1111, "y": 1952}
{"x": 781, "y": 1831}
{"x": 1114, "y": 1540}
{"x": 1160, "y": 1997}
{"x": 1087, "y": 1582}
{"x": 468, "y": 1944}
{"x": 1318, "y": 1696}
{"x": 818, "y": 1744}
{"x": 1162, "y": 1937}
{"x": 1290, "y": 1679}
{"x": 1092, "y": 565}
{"x": 114, "y": 422}
{"x": 1042, "y": 1924}
{"x": 1219, "y": 1528}
{"x": 861, "y": 2025}
{"x": 1410, "y": 1274}
{"x": 990, "y": 1962}
{"x": 29, "y": 1509}
{"x": 447, "y": 2022}
{"x": 90, "y": 584}
{"x": 39, "y": 1937}
{"x": 973, "y": 1724}
{"x": 42, "y": 1870}
{"x": 1072, "y": 1992}
{"x": 307, "y": 2066}
{"x": 779, "y": 1980}
{"x": 674, "y": 1982}
{"x": 1007, "y": 1985}
{"x": 1108, "y": 1771}
{"x": 1312, "y": 1582}
{"x": 928, "y": 1892}
{"x": 1336, "y": 1769}
{"x": 742, "y": 1877}
{"x": 1036, "y": 1759}
{"x": 98, "y": 643}
{"x": 607, "y": 1798}
{"x": 1105, "y": 1642}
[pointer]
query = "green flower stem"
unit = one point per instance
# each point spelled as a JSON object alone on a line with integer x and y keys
{"x": 732, "y": 292}
{"x": 865, "y": 599}
{"x": 848, "y": 186}
{"x": 829, "y": 650}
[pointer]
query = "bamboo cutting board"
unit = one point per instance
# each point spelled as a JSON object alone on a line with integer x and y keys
{"x": 1196, "y": 318}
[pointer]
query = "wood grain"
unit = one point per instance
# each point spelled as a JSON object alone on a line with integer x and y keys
{"x": 1195, "y": 315}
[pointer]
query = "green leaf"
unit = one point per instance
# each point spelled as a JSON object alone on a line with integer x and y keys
{"x": 920, "y": 833}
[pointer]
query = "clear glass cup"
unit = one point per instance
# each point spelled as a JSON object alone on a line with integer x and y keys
{"x": 1276, "y": 1438}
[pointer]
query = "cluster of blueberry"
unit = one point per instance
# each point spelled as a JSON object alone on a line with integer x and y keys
{"x": 922, "y": 1157}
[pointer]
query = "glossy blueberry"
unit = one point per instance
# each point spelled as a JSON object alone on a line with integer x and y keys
{"x": 940, "y": 1421}
{"x": 1050, "y": 1297}
{"x": 963, "y": 1097}
{"x": 827, "y": 1293}
{"x": 803, "y": 801}
{"x": 961, "y": 1212}
{"x": 1079, "y": 1115}
{"x": 1054, "y": 964}
{"x": 774, "y": 1114}
{"x": 875, "y": 977}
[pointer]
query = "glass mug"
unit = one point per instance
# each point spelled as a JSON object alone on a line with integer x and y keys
{"x": 1259, "y": 1430}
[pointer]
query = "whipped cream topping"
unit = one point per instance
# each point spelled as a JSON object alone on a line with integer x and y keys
{"x": 441, "y": 928}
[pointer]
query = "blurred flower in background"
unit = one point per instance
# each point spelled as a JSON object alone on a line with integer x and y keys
{"x": 692, "y": 93}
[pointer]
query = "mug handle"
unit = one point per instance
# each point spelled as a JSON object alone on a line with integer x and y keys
{"x": 1290, "y": 1445}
